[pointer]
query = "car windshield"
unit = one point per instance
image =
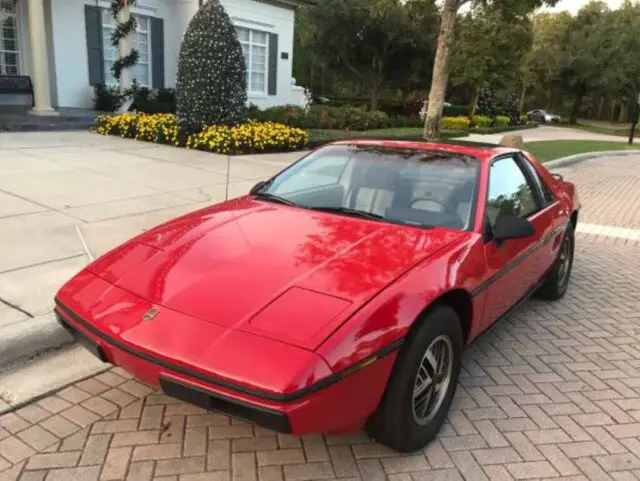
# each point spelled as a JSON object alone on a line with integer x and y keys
{"x": 426, "y": 188}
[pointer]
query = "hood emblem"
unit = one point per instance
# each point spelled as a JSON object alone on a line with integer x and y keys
{"x": 150, "y": 314}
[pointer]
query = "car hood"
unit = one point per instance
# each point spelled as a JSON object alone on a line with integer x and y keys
{"x": 273, "y": 270}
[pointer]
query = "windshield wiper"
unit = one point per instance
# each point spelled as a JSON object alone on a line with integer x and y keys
{"x": 347, "y": 211}
{"x": 273, "y": 198}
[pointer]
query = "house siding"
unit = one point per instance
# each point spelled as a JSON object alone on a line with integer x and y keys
{"x": 68, "y": 56}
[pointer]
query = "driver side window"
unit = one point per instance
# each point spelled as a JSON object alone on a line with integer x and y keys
{"x": 510, "y": 192}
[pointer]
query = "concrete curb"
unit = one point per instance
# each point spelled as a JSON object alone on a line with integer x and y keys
{"x": 27, "y": 339}
{"x": 574, "y": 159}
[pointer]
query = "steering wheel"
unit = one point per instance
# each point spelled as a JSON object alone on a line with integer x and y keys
{"x": 445, "y": 208}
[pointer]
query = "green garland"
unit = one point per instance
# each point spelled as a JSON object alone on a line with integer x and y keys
{"x": 122, "y": 31}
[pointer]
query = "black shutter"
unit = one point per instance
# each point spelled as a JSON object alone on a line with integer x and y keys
{"x": 273, "y": 64}
{"x": 93, "y": 24}
{"x": 157, "y": 52}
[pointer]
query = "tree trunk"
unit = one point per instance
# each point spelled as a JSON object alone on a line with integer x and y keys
{"x": 634, "y": 110}
{"x": 440, "y": 76}
{"x": 613, "y": 110}
{"x": 522, "y": 97}
{"x": 621, "y": 114}
{"x": 375, "y": 94}
{"x": 600, "y": 108}
{"x": 577, "y": 103}
{"x": 474, "y": 105}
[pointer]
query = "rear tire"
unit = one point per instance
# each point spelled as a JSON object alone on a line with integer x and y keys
{"x": 422, "y": 383}
{"x": 557, "y": 281}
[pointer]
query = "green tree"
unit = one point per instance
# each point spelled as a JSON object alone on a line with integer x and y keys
{"x": 623, "y": 69}
{"x": 446, "y": 45}
{"x": 212, "y": 82}
{"x": 371, "y": 42}
{"x": 542, "y": 64}
{"x": 490, "y": 47}
{"x": 587, "y": 53}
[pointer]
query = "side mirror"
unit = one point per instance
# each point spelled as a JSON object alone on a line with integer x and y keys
{"x": 558, "y": 177}
{"x": 512, "y": 227}
{"x": 257, "y": 187}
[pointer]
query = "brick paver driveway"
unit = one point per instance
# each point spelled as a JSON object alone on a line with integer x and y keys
{"x": 551, "y": 392}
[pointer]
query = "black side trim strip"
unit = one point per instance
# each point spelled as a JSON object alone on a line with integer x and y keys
{"x": 514, "y": 307}
{"x": 258, "y": 393}
{"x": 515, "y": 262}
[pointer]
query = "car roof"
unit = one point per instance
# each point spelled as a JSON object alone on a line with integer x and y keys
{"x": 480, "y": 150}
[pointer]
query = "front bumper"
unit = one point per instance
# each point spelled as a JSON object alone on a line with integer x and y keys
{"x": 340, "y": 403}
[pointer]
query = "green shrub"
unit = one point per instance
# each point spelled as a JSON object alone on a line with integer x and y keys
{"x": 403, "y": 121}
{"x": 453, "y": 123}
{"x": 155, "y": 101}
{"x": 323, "y": 117}
{"x": 502, "y": 121}
{"x": 285, "y": 114}
{"x": 482, "y": 121}
{"x": 106, "y": 98}
{"x": 456, "y": 111}
{"x": 212, "y": 79}
{"x": 524, "y": 119}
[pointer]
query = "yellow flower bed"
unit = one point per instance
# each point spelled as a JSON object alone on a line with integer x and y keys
{"x": 455, "y": 122}
{"x": 252, "y": 136}
{"x": 163, "y": 128}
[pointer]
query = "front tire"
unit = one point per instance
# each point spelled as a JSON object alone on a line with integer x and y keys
{"x": 556, "y": 284}
{"x": 422, "y": 384}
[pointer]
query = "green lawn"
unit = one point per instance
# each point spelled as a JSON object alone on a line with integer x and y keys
{"x": 606, "y": 128}
{"x": 319, "y": 136}
{"x": 547, "y": 150}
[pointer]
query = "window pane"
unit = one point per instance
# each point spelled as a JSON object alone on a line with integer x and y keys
{"x": 8, "y": 32}
{"x": 259, "y": 37}
{"x": 143, "y": 23}
{"x": 9, "y": 45}
{"x": 509, "y": 192}
{"x": 243, "y": 34}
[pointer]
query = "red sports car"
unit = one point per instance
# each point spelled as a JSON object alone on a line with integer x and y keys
{"x": 338, "y": 294}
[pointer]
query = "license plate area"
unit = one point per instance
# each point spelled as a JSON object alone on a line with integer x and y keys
{"x": 84, "y": 341}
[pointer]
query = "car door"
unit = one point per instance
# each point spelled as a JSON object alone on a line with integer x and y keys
{"x": 550, "y": 220}
{"x": 512, "y": 264}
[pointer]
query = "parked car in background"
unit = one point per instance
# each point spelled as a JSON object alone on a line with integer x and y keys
{"x": 540, "y": 115}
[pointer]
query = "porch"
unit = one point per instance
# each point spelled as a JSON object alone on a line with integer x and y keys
{"x": 24, "y": 50}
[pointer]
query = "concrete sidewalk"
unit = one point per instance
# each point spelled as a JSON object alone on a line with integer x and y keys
{"x": 68, "y": 197}
{"x": 547, "y": 132}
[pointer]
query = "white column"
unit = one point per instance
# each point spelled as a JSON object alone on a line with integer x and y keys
{"x": 126, "y": 77}
{"x": 39, "y": 61}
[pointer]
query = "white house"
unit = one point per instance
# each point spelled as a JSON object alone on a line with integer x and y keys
{"x": 64, "y": 47}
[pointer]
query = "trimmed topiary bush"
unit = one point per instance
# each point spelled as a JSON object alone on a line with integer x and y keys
{"x": 512, "y": 109}
{"x": 487, "y": 103}
{"x": 454, "y": 123}
{"x": 482, "y": 121}
{"x": 502, "y": 121}
{"x": 212, "y": 80}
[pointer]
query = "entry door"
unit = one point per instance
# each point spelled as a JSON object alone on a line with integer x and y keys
{"x": 513, "y": 265}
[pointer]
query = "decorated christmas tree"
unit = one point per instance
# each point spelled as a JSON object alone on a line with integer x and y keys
{"x": 212, "y": 80}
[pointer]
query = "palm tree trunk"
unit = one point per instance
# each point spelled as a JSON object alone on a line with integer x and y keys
{"x": 440, "y": 76}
